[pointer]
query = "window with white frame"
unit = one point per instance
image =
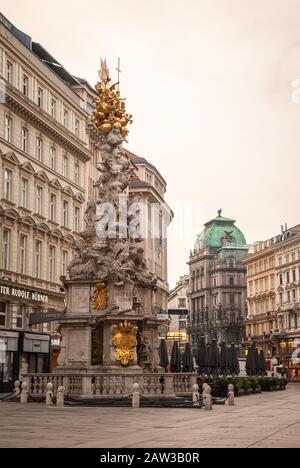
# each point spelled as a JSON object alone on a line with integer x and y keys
{"x": 24, "y": 192}
{"x": 64, "y": 262}
{"x": 40, "y": 95}
{"x": 52, "y": 158}
{"x": 77, "y": 127}
{"x": 38, "y": 258}
{"x": 39, "y": 200}
{"x": 8, "y": 184}
{"x": 51, "y": 269}
{"x": 65, "y": 166}
{"x": 8, "y": 129}
{"x": 21, "y": 309}
{"x": 25, "y": 85}
{"x": 76, "y": 174}
{"x": 9, "y": 71}
{"x": 52, "y": 207}
{"x": 65, "y": 213}
{"x": 39, "y": 149}
{"x": 53, "y": 108}
{"x": 76, "y": 218}
{"x": 6, "y": 249}
{"x": 24, "y": 139}
{"x": 3, "y": 313}
{"x": 66, "y": 118}
{"x": 23, "y": 254}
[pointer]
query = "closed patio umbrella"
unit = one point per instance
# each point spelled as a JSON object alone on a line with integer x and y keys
{"x": 175, "y": 364}
{"x": 187, "y": 359}
{"x": 163, "y": 354}
{"x": 202, "y": 358}
{"x": 262, "y": 363}
{"x": 223, "y": 359}
{"x": 214, "y": 358}
{"x": 256, "y": 362}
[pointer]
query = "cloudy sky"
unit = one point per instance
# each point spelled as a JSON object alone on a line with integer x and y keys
{"x": 209, "y": 83}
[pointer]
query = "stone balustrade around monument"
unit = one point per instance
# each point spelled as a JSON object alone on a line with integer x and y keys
{"x": 107, "y": 386}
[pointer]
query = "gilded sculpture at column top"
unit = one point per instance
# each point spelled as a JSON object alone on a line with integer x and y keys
{"x": 110, "y": 110}
{"x": 100, "y": 297}
{"x": 124, "y": 340}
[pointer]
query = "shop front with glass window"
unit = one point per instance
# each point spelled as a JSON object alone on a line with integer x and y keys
{"x": 9, "y": 341}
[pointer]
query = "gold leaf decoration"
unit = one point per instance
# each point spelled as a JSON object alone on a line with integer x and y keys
{"x": 124, "y": 340}
{"x": 100, "y": 297}
{"x": 110, "y": 109}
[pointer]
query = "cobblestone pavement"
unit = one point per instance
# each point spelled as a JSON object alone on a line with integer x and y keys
{"x": 266, "y": 420}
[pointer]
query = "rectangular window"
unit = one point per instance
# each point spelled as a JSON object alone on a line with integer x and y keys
{"x": 76, "y": 219}
{"x": 64, "y": 262}
{"x": 24, "y": 192}
{"x": 53, "y": 108}
{"x": 76, "y": 174}
{"x": 182, "y": 303}
{"x": 39, "y": 200}
{"x": 280, "y": 279}
{"x": 24, "y": 140}
{"x": 52, "y": 207}
{"x": 40, "y": 98}
{"x": 20, "y": 316}
{"x": 51, "y": 275}
{"x": 8, "y": 129}
{"x": 9, "y": 70}
{"x": 6, "y": 250}
{"x": 38, "y": 259}
{"x": 2, "y": 314}
{"x": 294, "y": 295}
{"x": 8, "y": 184}
{"x": 39, "y": 149}
{"x": 287, "y": 276}
{"x": 52, "y": 158}
{"x": 25, "y": 85}
{"x": 65, "y": 166}
{"x": 66, "y": 118}
{"x": 231, "y": 281}
{"x": 231, "y": 299}
{"x": 23, "y": 254}
{"x": 65, "y": 213}
{"x": 294, "y": 275}
{"x": 77, "y": 127}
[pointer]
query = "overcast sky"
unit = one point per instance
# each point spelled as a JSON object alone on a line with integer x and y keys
{"x": 209, "y": 83}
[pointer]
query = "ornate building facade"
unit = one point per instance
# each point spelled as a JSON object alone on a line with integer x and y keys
{"x": 178, "y": 307}
{"x": 217, "y": 290}
{"x": 273, "y": 284}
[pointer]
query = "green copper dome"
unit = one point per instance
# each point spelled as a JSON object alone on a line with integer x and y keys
{"x": 220, "y": 232}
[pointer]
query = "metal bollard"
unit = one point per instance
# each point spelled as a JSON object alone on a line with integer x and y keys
{"x": 49, "y": 394}
{"x": 196, "y": 395}
{"x": 136, "y": 396}
{"x": 24, "y": 392}
{"x": 230, "y": 395}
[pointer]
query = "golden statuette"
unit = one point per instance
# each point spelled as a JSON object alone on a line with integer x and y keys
{"x": 110, "y": 109}
{"x": 124, "y": 340}
{"x": 100, "y": 297}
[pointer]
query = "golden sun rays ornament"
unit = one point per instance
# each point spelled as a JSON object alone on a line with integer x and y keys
{"x": 110, "y": 109}
{"x": 124, "y": 340}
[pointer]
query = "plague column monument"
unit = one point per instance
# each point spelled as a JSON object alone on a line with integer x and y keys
{"x": 110, "y": 325}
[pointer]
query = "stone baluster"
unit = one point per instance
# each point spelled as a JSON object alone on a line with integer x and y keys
{"x": 136, "y": 396}
{"x": 40, "y": 385}
{"x": 117, "y": 385}
{"x": 151, "y": 385}
{"x": 105, "y": 383}
{"x": 49, "y": 394}
{"x": 98, "y": 385}
{"x": 35, "y": 385}
{"x": 24, "y": 392}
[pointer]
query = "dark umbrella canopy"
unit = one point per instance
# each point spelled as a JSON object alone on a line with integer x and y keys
{"x": 163, "y": 354}
{"x": 175, "y": 364}
{"x": 262, "y": 363}
{"x": 236, "y": 363}
{"x": 187, "y": 359}
{"x": 223, "y": 359}
{"x": 214, "y": 358}
{"x": 202, "y": 358}
{"x": 249, "y": 365}
{"x": 252, "y": 362}
{"x": 256, "y": 362}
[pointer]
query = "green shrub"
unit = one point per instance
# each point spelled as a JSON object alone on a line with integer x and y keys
{"x": 254, "y": 383}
